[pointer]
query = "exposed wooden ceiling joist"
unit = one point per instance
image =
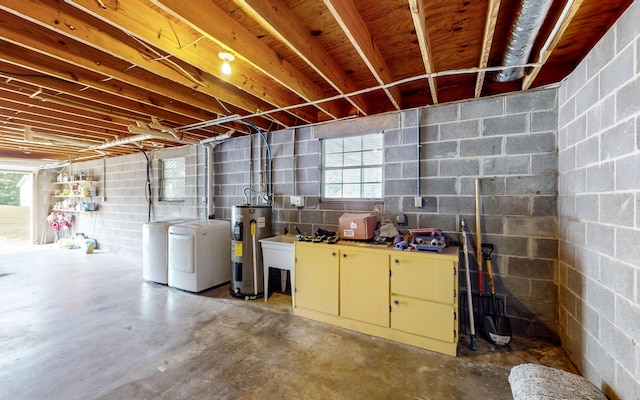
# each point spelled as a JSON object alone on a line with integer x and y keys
{"x": 419, "y": 21}
{"x": 81, "y": 72}
{"x": 229, "y": 34}
{"x": 349, "y": 19}
{"x": 282, "y": 23}
{"x": 569, "y": 11}
{"x": 178, "y": 45}
{"x": 493, "y": 8}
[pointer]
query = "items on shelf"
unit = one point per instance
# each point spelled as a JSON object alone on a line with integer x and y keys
{"x": 76, "y": 194}
{"x": 65, "y": 177}
{"x": 72, "y": 204}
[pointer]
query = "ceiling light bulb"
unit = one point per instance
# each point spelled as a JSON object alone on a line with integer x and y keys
{"x": 226, "y": 68}
{"x": 226, "y": 58}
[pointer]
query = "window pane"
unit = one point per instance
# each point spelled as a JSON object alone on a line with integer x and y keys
{"x": 371, "y": 142}
{"x": 333, "y": 191}
{"x": 372, "y": 191}
{"x": 333, "y": 146}
{"x": 334, "y": 161}
{"x": 371, "y": 175}
{"x": 352, "y": 175}
{"x": 351, "y": 190}
{"x": 372, "y": 157}
{"x": 172, "y": 187}
{"x": 342, "y": 162}
{"x": 352, "y": 159}
{"x": 352, "y": 144}
{"x": 333, "y": 176}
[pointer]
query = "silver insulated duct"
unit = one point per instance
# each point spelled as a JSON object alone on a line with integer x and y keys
{"x": 526, "y": 25}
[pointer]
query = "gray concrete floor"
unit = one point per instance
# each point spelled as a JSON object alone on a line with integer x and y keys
{"x": 86, "y": 326}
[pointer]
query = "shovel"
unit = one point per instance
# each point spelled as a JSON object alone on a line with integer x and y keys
{"x": 496, "y": 326}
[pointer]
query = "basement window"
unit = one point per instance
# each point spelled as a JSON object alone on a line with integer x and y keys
{"x": 172, "y": 179}
{"x": 352, "y": 167}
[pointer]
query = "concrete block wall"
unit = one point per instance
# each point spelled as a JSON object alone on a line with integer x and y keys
{"x": 599, "y": 209}
{"x": 122, "y": 197}
{"x": 509, "y": 142}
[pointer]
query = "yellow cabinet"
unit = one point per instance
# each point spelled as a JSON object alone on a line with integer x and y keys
{"x": 424, "y": 296}
{"x": 420, "y": 277}
{"x": 406, "y": 296}
{"x": 317, "y": 269}
{"x": 364, "y": 286}
{"x": 424, "y": 318}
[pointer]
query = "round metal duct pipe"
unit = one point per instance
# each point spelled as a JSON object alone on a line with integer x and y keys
{"x": 526, "y": 26}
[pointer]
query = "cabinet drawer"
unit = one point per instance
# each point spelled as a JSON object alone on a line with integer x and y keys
{"x": 433, "y": 280}
{"x": 424, "y": 318}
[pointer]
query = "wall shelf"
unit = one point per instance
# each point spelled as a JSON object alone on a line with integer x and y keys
{"x": 74, "y": 196}
{"x": 73, "y": 211}
{"x": 71, "y": 182}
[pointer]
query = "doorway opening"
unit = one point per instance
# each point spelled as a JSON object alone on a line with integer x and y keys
{"x": 16, "y": 201}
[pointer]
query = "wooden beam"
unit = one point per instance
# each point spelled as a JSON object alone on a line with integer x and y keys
{"x": 36, "y": 154}
{"x": 570, "y": 10}
{"x": 141, "y": 20}
{"x": 21, "y": 101}
{"x": 228, "y": 34}
{"x": 419, "y": 22}
{"x": 53, "y": 131}
{"x": 283, "y": 24}
{"x": 47, "y": 66}
{"x": 58, "y": 47}
{"x": 185, "y": 83}
{"x": 54, "y": 122}
{"x": 69, "y": 91}
{"x": 351, "y": 22}
{"x": 489, "y": 30}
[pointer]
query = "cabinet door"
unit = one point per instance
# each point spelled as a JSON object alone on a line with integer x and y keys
{"x": 424, "y": 318}
{"x": 423, "y": 278}
{"x": 316, "y": 275}
{"x": 364, "y": 286}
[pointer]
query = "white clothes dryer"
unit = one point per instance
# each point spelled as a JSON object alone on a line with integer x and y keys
{"x": 199, "y": 254}
{"x": 155, "y": 248}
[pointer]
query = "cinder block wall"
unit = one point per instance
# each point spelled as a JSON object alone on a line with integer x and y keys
{"x": 509, "y": 142}
{"x": 599, "y": 211}
{"x": 122, "y": 197}
{"x": 437, "y": 153}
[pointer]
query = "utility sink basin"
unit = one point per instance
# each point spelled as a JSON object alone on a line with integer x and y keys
{"x": 283, "y": 239}
{"x": 278, "y": 252}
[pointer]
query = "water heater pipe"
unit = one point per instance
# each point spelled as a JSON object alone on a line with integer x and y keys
{"x": 210, "y": 211}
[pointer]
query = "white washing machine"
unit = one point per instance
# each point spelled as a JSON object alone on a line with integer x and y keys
{"x": 155, "y": 247}
{"x": 199, "y": 254}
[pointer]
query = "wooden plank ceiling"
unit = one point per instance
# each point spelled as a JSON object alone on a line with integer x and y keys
{"x": 85, "y": 79}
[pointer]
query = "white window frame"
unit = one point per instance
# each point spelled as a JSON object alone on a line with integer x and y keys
{"x": 359, "y": 168}
{"x": 172, "y": 179}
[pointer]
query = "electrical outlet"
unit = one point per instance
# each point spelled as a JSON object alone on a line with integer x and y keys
{"x": 401, "y": 219}
{"x": 417, "y": 202}
{"x": 297, "y": 201}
